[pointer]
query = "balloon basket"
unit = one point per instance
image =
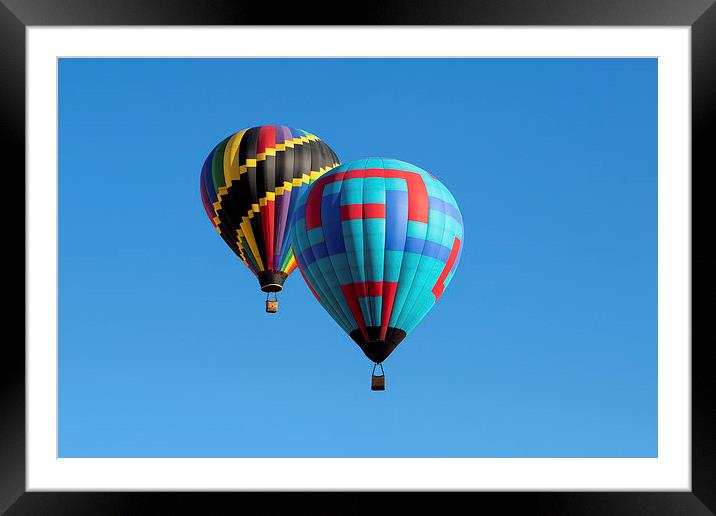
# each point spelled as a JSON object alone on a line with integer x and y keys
{"x": 377, "y": 382}
{"x": 271, "y": 304}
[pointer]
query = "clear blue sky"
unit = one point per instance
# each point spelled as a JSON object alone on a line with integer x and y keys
{"x": 544, "y": 344}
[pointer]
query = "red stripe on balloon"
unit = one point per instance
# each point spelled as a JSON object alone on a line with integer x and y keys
{"x": 389, "y": 290}
{"x": 368, "y": 288}
{"x": 267, "y": 138}
{"x": 349, "y": 292}
{"x": 439, "y": 286}
{"x": 417, "y": 192}
{"x": 362, "y": 211}
{"x": 384, "y": 289}
{"x": 267, "y": 214}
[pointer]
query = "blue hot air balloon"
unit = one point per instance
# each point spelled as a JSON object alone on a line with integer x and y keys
{"x": 377, "y": 240}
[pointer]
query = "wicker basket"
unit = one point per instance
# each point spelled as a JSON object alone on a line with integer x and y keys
{"x": 377, "y": 383}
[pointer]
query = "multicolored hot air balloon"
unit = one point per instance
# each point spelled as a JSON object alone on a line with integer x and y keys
{"x": 377, "y": 240}
{"x": 250, "y": 184}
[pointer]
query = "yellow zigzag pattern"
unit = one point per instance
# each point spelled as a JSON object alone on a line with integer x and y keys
{"x": 233, "y": 172}
{"x": 245, "y": 227}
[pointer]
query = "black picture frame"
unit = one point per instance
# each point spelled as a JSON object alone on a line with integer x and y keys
{"x": 16, "y": 15}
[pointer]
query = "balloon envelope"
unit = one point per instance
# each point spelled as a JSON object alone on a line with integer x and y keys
{"x": 250, "y": 184}
{"x": 377, "y": 240}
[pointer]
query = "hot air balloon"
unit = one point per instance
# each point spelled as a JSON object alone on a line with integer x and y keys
{"x": 377, "y": 241}
{"x": 250, "y": 184}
